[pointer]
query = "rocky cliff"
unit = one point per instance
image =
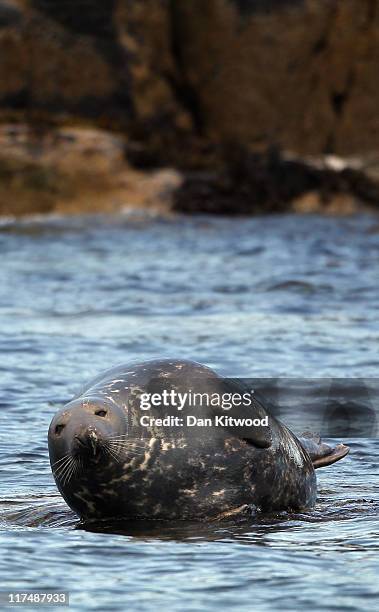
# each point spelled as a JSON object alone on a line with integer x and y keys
{"x": 217, "y": 89}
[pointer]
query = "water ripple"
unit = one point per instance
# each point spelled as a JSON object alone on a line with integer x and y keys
{"x": 250, "y": 297}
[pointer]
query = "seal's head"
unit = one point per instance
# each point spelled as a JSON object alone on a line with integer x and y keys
{"x": 84, "y": 433}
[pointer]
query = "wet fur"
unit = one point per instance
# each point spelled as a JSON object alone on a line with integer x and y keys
{"x": 144, "y": 473}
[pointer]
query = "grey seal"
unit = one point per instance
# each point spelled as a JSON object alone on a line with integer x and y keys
{"x": 113, "y": 457}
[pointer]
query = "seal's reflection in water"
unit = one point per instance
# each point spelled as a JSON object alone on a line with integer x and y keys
{"x": 47, "y": 511}
{"x": 324, "y": 528}
{"x": 183, "y": 531}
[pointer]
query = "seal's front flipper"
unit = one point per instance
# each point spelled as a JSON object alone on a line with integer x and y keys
{"x": 322, "y": 454}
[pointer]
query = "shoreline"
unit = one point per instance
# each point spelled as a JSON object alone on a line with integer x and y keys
{"x": 84, "y": 170}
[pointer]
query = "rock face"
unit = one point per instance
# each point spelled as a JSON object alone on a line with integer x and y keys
{"x": 105, "y": 62}
{"x": 187, "y": 84}
{"x": 71, "y": 170}
{"x": 300, "y": 74}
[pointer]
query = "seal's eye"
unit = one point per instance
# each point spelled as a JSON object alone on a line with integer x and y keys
{"x": 101, "y": 413}
{"x": 59, "y": 428}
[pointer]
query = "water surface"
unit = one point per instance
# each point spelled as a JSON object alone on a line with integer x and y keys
{"x": 276, "y": 296}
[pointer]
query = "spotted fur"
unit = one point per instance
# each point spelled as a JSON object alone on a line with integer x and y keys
{"x": 152, "y": 473}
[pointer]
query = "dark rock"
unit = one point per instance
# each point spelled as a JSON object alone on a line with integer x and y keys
{"x": 10, "y": 13}
{"x": 273, "y": 183}
{"x": 88, "y": 17}
{"x": 248, "y": 7}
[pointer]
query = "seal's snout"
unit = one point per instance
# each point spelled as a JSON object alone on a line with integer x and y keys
{"x": 87, "y": 443}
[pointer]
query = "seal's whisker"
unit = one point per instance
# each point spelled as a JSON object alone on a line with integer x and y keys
{"x": 107, "y": 452}
{"x": 119, "y": 448}
{"x": 75, "y": 472}
{"x": 64, "y": 469}
{"x": 128, "y": 446}
{"x": 61, "y": 459}
{"x": 80, "y": 466}
{"x": 108, "y": 448}
{"x": 121, "y": 452}
{"x": 62, "y": 475}
{"x": 77, "y": 468}
{"x": 118, "y": 436}
{"x": 128, "y": 443}
{"x": 71, "y": 473}
{"x": 134, "y": 451}
{"x": 125, "y": 437}
{"x": 61, "y": 468}
{"x": 112, "y": 454}
{"x": 68, "y": 475}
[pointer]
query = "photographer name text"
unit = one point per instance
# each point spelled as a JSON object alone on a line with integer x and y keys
{"x": 191, "y": 420}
